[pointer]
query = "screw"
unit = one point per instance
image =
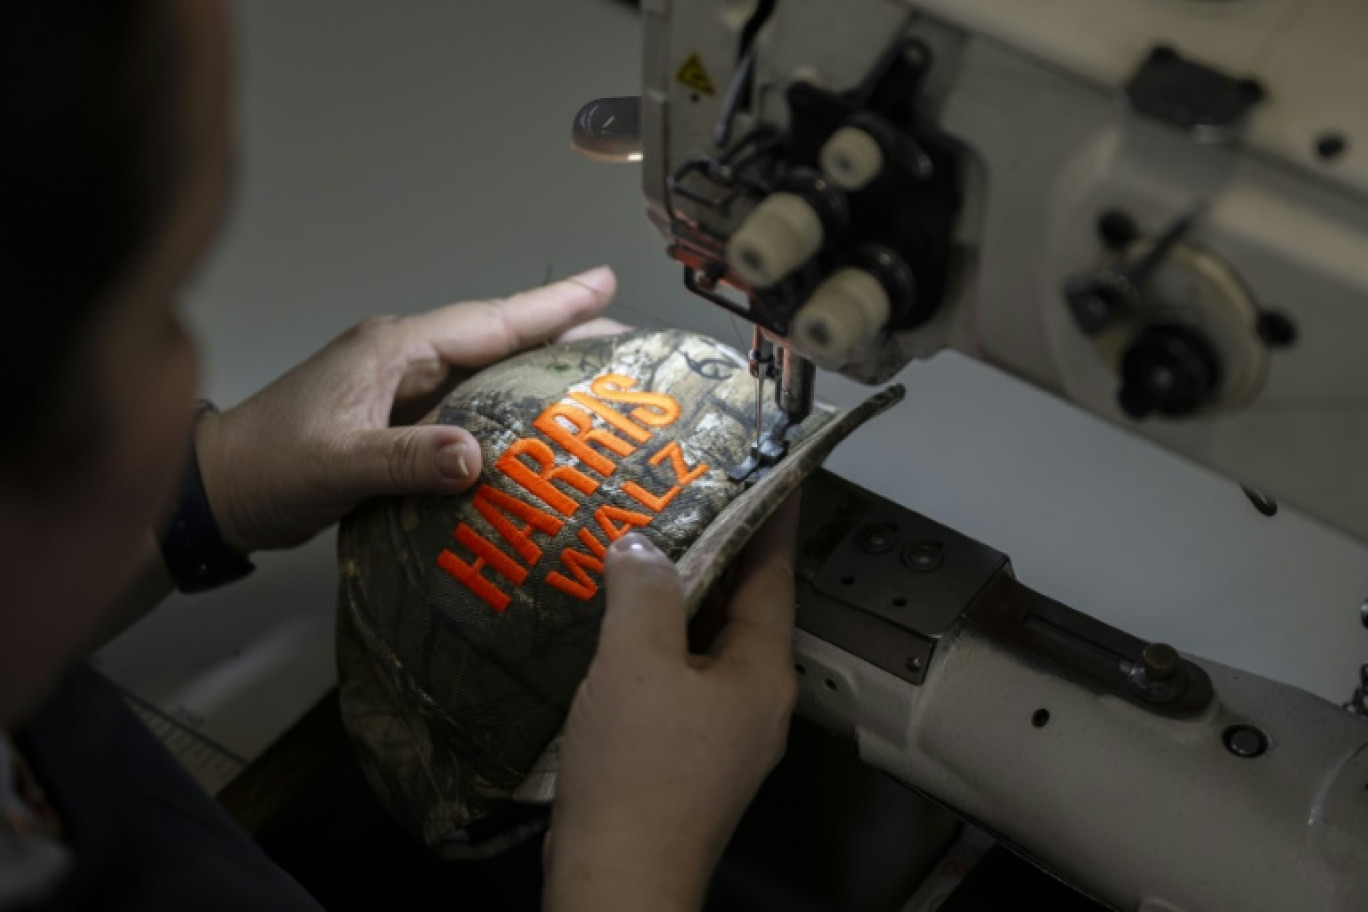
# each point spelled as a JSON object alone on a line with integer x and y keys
{"x": 1117, "y": 229}
{"x": 1040, "y": 718}
{"x": 1251, "y": 89}
{"x": 914, "y": 664}
{"x": 1331, "y": 145}
{"x": 1276, "y": 329}
{"x": 1261, "y": 501}
{"x": 923, "y": 557}
{"x": 1160, "y": 660}
{"x": 1245, "y": 741}
{"x": 1363, "y": 613}
{"x": 877, "y": 538}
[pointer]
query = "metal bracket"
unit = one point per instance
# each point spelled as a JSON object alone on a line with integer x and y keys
{"x": 1093, "y": 654}
{"x": 1197, "y": 99}
{"x": 882, "y": 582}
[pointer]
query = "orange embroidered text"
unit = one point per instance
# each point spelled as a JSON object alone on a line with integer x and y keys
{"x": 533, "y": 466}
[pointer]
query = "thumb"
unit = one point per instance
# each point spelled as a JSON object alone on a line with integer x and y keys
{"x": 424, "y": 459}
{"x": 645, "y": 612}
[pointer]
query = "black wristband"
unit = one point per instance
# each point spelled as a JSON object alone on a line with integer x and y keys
{"x": 196, "y": 555}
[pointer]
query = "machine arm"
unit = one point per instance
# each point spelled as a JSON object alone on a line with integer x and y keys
{"x": 1148, "y": 779}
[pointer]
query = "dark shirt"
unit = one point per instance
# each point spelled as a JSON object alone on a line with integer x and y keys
{"x": 143, "y": 834}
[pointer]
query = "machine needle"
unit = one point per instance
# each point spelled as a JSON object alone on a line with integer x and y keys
{"x": 759, "y": 358}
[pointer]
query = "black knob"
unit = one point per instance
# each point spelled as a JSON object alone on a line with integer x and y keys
{"x": 1169, "y": 370}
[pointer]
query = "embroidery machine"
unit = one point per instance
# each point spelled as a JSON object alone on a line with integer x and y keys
{"x": 1155, "y": 210}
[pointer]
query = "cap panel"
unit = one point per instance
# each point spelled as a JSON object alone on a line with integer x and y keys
{"x": 466, "y": 623}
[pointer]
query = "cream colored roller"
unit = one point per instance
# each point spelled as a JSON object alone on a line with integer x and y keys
{"x": 781, "y": 234}
{"x": 842, "y": 317}
{"x": 851, "y": 159}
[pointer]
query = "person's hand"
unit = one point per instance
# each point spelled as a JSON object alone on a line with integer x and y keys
{"x": 296, "y": 457}
{"x": 664, "y": 749}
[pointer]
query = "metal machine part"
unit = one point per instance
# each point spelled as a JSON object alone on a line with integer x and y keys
{"x": 793, "y": 394}
{"x": 933, "y": 174}
{"x": 1102, "y": 204}
{"x": 1101, "y": 299}
{"x": 609, "y": 130}
{"x": 858, "y": 179}
{"x": 1149, "y": 779}
{"x": 1178, "y": 327}
{"x": 1197, "y": 99}
{"x": 1358, "y": 700}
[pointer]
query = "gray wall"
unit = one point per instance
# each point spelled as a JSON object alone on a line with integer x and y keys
{"x": 400, "y": 155}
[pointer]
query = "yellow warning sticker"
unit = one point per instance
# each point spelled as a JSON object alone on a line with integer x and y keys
{"x": 695, "y": 76}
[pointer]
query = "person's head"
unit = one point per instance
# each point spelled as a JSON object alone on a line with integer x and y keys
{"x": 114, "y": 154}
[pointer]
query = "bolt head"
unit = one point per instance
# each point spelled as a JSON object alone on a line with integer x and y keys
{"x": 1117, "y": 230}
{"x": 1246, "y": 741}
{"x": 1160, "y": 660}
{"x": 923, "y": 557}
{"x": 876, "y": 538}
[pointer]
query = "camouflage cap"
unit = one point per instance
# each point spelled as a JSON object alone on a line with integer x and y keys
{"x": 467, "y": 623}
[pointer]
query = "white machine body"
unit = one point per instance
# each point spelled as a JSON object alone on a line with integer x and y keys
{"x": 1033, "y": 91}
{"x": 1197, "y": 274}
{"x": 1143, "y": 813}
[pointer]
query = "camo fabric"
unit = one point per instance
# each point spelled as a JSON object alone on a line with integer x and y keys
{"x": 466, "y": 623}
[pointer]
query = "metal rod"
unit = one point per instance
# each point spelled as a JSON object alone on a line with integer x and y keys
{"x": 761, "y": 362}
{"x": 796, "y": 390}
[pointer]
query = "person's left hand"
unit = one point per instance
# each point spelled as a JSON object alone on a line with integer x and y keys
{"x": 296, "y": 457}
{"x": 665, "y": 748}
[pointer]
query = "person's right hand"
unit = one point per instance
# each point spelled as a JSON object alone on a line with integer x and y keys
{"x": 303, "y": 452}
{"x": 664, "y": 750}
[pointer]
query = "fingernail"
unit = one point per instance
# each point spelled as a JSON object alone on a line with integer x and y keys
{"x": 451, "y": 462}
{"x": 635, "y": 542}
{"x": 599, "y": 279}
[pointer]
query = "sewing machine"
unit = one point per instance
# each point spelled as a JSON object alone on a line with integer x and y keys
{"x": 1152, "y": 209}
